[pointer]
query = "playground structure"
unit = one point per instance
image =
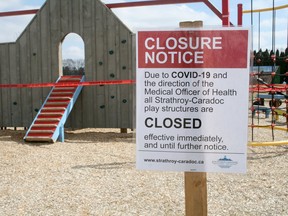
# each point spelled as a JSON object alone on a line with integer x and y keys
{"x": 263, "y": 85}
{"x": 268, "y": 99}
{"x": 48, "y": 124}
{"x": 109, "y": 54}
{"x": 35, "y": 57}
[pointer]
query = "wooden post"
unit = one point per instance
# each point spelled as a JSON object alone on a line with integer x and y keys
{"x": 196, "y": 194}
{"x": 225, "y": 13}
{"x": 123, "y": 130}
{"x": 240, "y": 14}
{"x": 195, "y": 183}
{"x": 191, "y": 24}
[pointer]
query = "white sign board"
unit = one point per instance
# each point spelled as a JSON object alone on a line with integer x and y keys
{"x": 192, "y": 99}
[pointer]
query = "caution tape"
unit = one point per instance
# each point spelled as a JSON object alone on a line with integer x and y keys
{"x": 68, "y": 84}
{"x": 267, "y": 90}
{"x": 273, "y": 88}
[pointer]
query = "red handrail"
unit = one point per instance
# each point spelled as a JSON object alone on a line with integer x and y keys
{"x": 17, "y": 13}
{"x": 150, "y": 3}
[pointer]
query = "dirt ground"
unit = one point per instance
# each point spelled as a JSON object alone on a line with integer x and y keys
{"x": 93, "y": 173}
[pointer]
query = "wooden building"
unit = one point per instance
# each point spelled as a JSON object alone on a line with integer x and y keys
{"x": 35, "y": 57}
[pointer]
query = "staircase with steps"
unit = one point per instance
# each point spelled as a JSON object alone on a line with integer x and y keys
{"x": 48, "y": 125}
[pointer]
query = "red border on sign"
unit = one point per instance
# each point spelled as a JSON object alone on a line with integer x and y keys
{"x": 166, "y": 49}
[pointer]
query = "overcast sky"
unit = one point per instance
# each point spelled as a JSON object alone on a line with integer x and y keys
{"x": 161, "y": 16}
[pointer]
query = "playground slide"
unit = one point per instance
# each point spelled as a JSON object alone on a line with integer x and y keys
{"x": 48, "y": 125}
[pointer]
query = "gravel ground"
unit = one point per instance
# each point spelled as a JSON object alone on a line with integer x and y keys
{"x": 93, "y": 173}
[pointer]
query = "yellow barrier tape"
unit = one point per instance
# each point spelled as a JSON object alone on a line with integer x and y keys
{"x": 272, "y": 143}
{"x": 265, "y": 9}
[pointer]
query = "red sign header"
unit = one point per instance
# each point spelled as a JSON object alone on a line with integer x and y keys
{"x": 193, "y": 49}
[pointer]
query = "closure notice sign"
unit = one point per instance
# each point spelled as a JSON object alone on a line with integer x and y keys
{"x": 192, "y": 99}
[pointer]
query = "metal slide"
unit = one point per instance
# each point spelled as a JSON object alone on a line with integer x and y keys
{"x": 48, "y": 125}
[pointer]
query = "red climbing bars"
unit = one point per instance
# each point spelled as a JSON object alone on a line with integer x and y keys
{"x": 112, "y": 5}
{"x": 224, "y": 16}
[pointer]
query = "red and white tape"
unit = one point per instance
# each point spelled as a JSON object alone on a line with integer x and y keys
{"x": 66, "y": 84}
